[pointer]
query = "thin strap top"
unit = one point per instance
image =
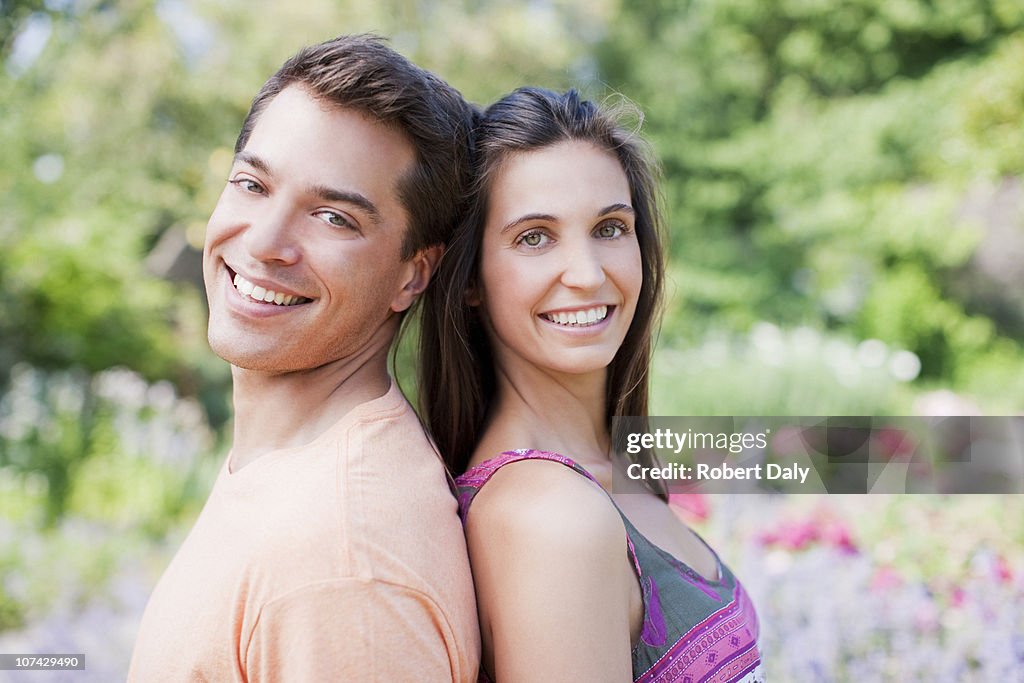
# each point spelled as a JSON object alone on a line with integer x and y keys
{"x": 694, "y": 629}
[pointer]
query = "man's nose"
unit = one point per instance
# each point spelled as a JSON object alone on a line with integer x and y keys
{"x": 271, "y": 237}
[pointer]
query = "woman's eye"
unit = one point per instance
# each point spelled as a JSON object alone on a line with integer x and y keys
{"x": 610, "y": 230}
{"x": 533, "y": 239}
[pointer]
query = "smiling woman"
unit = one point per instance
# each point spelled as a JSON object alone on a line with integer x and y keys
{"x": 537, "y": 333}
{"x": 560, "y": 266}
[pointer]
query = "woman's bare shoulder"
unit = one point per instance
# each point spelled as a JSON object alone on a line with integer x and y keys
{"x": 539, "y": 501}
{"x": 554, "y": 584}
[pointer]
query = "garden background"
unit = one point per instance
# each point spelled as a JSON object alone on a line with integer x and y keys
{"x": 845, "y": 188}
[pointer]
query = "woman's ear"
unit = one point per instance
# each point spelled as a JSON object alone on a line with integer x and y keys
{"x": 473, "y": 297}
{"x": 419, "y": 270}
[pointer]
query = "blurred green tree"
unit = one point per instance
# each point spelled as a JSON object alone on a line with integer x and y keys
{"x": 821, "y": 159}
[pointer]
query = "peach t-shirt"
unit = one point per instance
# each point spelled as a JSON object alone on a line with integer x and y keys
{"x": 342, "y": 560}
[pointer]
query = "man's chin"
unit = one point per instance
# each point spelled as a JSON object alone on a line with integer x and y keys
{"x": 272, "y": 362}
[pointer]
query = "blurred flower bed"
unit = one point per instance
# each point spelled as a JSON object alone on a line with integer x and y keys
{"x": 866, "y": 587}
{"x": 100, "y": 477}
{"x": 877, "y": 588}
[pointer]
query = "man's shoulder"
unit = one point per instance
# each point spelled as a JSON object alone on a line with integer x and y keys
{"x": 387, "y": 433}
{"x": 390, "y": 470}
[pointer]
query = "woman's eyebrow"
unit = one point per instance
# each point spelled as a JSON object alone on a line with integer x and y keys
{"x": 529, "y": 217}
{"x": 613, "y": 208}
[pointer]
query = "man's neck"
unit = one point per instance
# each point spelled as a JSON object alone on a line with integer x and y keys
{"x": 274, "y": 411}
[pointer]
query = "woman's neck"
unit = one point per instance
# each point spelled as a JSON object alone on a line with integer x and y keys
{"x": 534, "y": 408}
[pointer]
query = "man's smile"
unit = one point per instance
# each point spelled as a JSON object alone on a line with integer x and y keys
{"x": 263, "y": 294}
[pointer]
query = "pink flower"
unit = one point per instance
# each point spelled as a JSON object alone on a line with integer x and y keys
{"x": 894, "y": 443}
{"x": 792, "y": 535}
{"x": 885, "y": 578}
{"x": 927, "y": 617}
{"x": 837, "y": 534}
{"x": 800, "y": 534}
{"x": 1002, "y": 570}
{"x": 692, "y": 505}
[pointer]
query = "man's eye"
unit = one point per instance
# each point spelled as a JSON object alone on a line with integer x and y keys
{"x": 335, "y": 219}
{"x": 248, "y": 185}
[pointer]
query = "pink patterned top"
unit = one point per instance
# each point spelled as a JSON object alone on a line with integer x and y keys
{"x": 694, "y": 630}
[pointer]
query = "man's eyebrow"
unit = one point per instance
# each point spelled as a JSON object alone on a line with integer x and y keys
{"x": 327, "y": 194}
{"x": 529, "y": 217}
{"x": 254, "y": 161}
{"x": 331, "y": 194}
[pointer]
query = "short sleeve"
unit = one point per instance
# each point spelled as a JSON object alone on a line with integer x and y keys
{"x": 353, "y": 630}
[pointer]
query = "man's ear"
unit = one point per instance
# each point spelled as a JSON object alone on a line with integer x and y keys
{"x": 419, "y": 269}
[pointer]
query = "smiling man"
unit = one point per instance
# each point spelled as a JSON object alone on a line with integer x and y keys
{"x": 329, "y": 548}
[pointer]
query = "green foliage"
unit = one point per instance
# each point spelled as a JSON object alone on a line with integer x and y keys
{"x": 94, "y": 169}
{"x": 12, "y": 610}
{"x": 779, "y": 372}
{"x": 821, "y": 162}
{"x": 109, "y": 447}
{"x": 990, "y": 113}
{"x": 88, "y": 304}
{"x": 13, "y": 14}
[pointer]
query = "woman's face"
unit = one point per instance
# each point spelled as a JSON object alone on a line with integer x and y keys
{"x": 560, "y": 268}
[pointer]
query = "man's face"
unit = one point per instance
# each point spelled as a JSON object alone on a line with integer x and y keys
{"x": 302, "y": 258}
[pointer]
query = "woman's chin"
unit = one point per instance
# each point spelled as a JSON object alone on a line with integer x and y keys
{"x": 579, "y": 362}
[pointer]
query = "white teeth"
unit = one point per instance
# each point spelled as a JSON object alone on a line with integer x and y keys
{"x": 265, "y": 295}
{"x": 581, "y": 318}
{"x": 243, "y": 285}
